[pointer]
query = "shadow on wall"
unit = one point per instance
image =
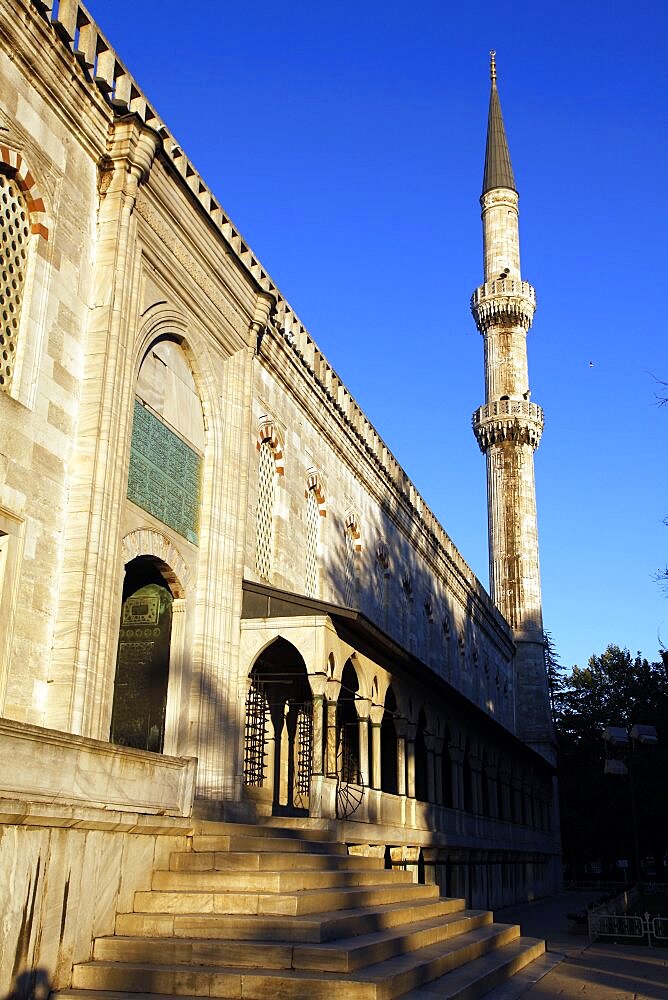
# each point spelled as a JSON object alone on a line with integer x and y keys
{"x": 31, "y": 985}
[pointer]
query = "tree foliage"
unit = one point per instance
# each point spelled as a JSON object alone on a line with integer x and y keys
{"x": 615, "y": 688}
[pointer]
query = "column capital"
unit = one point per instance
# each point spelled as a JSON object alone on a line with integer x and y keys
{"x": 131, "y": 149}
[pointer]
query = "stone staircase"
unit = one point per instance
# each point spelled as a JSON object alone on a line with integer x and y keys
{"x": 269, "y": 912}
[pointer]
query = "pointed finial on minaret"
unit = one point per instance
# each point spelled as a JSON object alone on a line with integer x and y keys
{"x": 498, "y": 170}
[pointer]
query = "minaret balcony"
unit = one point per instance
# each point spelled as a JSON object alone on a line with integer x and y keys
{"x": 515, "y": 420}
{"x": 503, "y": 302}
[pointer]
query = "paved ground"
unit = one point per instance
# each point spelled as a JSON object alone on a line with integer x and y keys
{"x": 575, "y": 969}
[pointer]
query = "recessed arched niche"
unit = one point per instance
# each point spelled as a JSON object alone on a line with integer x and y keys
{"x": 168, "y": 440}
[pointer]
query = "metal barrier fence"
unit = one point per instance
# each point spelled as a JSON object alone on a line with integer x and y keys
{"x": 660, "y": 928}
{"x": 628, "y": 926}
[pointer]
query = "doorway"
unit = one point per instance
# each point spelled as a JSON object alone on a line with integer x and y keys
{"x": 142, "y": 663}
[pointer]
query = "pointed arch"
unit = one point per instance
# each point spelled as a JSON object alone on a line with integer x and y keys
{"x": 148, "y": 542}
{"x": 269, "y": 434}
{"x": 24, "y": 229}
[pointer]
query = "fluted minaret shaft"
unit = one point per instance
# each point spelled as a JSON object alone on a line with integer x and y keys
{"x": 508, "y": 427}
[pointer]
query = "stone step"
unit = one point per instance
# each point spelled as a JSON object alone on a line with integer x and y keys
{"x": 297, "y": 830}
{"x": 276, "y": 881}
{"x": 248, "y": 843}
{"x": 309, "y": 928}
{"x": 202, "y": 861}
{"x": 342, "y": 955}
{"x": 383, "y": 981}
{"x": 486, "y": 973}
{"x": 286, "y": 903}
{"x": 350, "y": 954}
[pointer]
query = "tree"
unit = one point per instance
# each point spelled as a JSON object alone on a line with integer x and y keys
{"x": 614, "y": 689}
{"x": 554, "y": 673}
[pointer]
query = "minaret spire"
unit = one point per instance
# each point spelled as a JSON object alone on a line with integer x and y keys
{"x": 498, "y": 168}
{"x": 508, "y": 429}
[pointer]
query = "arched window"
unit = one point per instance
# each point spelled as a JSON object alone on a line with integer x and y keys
{"x": 352, "y": 547}
{"x": 407, "y": 611}
{"x": 23, "y": 275}
{"x": 381, "y": 581}
{"x": 13, "y": 269}
{"x": 314, "y": 510}
{"x": 266, "y": 489}
{"x": 168, "y": 439}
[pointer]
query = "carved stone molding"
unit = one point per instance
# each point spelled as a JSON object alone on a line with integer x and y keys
{"x": 495, "y": 430}
{"x": 503, "y": 303}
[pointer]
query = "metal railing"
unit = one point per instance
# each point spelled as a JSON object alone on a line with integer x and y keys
{"x": 624, "y": 925}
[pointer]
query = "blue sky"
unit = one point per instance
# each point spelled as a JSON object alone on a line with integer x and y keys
{"x": 346, "y": 141}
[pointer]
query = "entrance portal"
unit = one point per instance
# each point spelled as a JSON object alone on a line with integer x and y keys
{"x": 142, "y": 665}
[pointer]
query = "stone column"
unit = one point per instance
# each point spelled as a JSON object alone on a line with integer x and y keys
{"x": 86, "y": 633}
{"x": 291, "y": 727}
{"x": 504, "y": 779}
{"x": 318, "y": 732}
{"x": 493, "y": 796}
{"x": 438, "y": 770}
{"x": 332, "y": 691}
{"x": 178, "y": 677}
{"x": 401, "y": 756}
{"x": 411, "y": 731}
{"x": 516, "y": 792}
{"x": 278, "y": 720}
{"x": 475, "y": 766}
{"x": 456, "y": 767}
{"x": 376, "y": 717}
{"x": 363, "y": 705}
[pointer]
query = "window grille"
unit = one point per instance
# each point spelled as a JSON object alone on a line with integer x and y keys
{"x": 13, "y": 263}
{"x": 349, "y": 577}
{"x": 312, "y": 527}
{"x": 304, "y": 749}
{"x": 265, "y": 511}
{"x": 255, "y": 736}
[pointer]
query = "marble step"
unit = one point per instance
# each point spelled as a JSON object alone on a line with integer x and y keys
{"x": 285, "y": 903}
{"x": 248, "y": 843}
{"x": 486, "y": 973}
{"x": 273, "y": 881}
{"x": 383, "y": 981}
{"x": 268, "y": 831}
{"x": 201, "y": 861}
{"x": 341, "y": 955}
{"x": 315, "y": 927}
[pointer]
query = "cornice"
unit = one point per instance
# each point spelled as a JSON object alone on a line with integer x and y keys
{"x": 84, "y": 114}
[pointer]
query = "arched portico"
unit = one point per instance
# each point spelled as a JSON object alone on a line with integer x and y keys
{"x": 278, "y": 730}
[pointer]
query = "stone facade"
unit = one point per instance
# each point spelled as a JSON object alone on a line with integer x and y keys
{"x": 182, "y": 470}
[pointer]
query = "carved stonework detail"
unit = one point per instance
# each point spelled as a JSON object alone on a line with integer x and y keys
{"x": 491, "y": 429}
{"x": 504, "y": 302}
{"x": 165, "y": 235}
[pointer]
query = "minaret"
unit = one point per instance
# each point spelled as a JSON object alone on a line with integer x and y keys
{"x": 508, "y": 429}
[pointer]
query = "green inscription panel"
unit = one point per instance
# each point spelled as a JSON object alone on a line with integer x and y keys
{"x": 165, "y": 474}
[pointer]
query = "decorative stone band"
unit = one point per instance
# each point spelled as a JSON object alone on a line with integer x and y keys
{"x": 508, "y": 420}
{"x": 269, "y": 434}
{"x": 504, "y": 302}
{"x": 25, "y": 180}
